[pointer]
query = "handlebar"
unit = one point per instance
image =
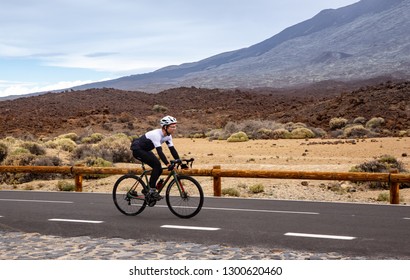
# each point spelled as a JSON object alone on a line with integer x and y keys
{"x": 183, "y": 163}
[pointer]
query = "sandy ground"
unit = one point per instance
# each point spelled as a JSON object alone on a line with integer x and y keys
{"x": 301, "y": 155}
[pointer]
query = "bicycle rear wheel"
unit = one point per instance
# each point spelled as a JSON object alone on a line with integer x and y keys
{"x": 187, "y": 201}
{"x": 128, "y": 195}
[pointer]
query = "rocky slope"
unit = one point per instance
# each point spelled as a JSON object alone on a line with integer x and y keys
{"x": 199, "y": 110}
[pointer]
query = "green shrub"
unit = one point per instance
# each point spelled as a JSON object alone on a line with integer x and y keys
{"x": 319, "y": 132}
{"x": 217, "y": 134}
{"x": 17, "y": 160}
{"x": 47, "y": 161}
{"x": 238, "y": 137}
{"x": 20, "y": 151}
{"x": 336, "y": 123}
{"x": 72, "y": 136}
{"x": 159, "y": 108}
{"x": 64, "y": 144}
{"x": 359, "y": 120}
{"x": 10, "y": 140}
{"x": 264, "y": 129}
{"x": 66, "y": 186}
{"x": 281, "y": 133}
{"x": 404, "y": 133}
{"x": 115, "y": 148}
{"x": 92, "y": 139}
{"x": 29, "y": 160}
{"x": 375, "y": 123}
{"x": 252, "y": 128}
{"x": 338, "y": 133}
{"x": 197, "y": 135}
{"x": 97, "y": 137}
{"x": 392, "y": 162}
{"x": 96, "y": 162}
{"x": 257, "y": 188}
{"x": 292, "y": 126}
{"x": 34, "y": 148}
{"x": 336, "y": 187}
{"x": 383, "y": 164}
{"x": 84, "y": 151}
{"x": 383, "y": 197}
{"x": 51, "y": 144}
{"x": 357, "y": 131}
{"x": 301, "y": 133}
{"x": 231, "y": 192}
{"x": 20, "y": 159}
{"x": 264, "y": 133}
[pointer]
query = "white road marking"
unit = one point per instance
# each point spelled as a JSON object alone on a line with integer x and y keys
{"x": 76, "y": 221}
{"x": 262, "y": 211}
{"x": 320, "y": 236}
{"x": 192, "y": 228}
{"x": 246, "y": 210}
{"x": 33, "y": 200}
{"x": 406, "y": 218}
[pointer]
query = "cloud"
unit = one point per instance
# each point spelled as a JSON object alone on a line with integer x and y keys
{"x": 45, "y": 40}
{"x": 115, "y": 64}
{"x": 8, "y": 88}
{"x": 182, "y": 31}
{"x": 100, "y": 54}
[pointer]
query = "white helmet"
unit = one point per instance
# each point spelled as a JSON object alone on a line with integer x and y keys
{"x": 167, "y": 120}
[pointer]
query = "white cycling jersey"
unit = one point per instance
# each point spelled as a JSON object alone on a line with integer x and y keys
{"x": 158, "y": 138}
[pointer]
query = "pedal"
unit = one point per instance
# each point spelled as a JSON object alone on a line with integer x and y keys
{"x": 151, "y": 202}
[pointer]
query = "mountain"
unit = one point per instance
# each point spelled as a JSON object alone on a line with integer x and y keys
{"x": 360, "y": 41}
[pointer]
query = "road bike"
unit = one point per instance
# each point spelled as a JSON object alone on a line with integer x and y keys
{"x": 184, "y": 195}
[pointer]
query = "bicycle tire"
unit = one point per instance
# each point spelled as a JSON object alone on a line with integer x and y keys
{"x": 187, "y": 204}
{"x": 127, "y": 204}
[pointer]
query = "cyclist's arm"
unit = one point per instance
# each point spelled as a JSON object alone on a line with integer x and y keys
{"x": 162, "y": 155}
{"x": 174, "y": 152}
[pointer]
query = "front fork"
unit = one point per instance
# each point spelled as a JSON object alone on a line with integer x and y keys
{"x": 180, "y": 186}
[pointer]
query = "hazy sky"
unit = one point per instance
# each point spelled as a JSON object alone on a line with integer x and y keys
{"x": 53, "y": 44}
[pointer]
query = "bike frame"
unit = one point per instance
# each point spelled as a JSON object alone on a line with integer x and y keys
{"x": 172, "y": 174}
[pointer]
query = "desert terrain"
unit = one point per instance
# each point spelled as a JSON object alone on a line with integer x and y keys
{"x": 110, "y": 111}
{"x": 281, "y": 154}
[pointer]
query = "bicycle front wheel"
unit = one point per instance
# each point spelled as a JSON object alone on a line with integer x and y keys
{"x": 185, "y": 197}
{"x": 128, "y": 195}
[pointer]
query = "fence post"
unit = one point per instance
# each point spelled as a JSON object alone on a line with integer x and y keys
{"x": 394, "y": 190}
{"x": 78, "y": 182}
{"x": 216, "y": 173}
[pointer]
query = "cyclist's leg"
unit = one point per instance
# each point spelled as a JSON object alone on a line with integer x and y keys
{"x": 149, "y": 158}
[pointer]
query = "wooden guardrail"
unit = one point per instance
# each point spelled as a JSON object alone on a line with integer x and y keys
{"x": 393, "y": 178}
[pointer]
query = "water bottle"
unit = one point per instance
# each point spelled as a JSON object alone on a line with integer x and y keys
{"x": 159, "y": 184}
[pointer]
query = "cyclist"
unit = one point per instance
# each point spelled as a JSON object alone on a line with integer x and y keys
{"x": 142, "y": 150}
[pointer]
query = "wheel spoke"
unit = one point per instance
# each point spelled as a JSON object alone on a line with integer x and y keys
{"x": 185, "y": 200}
{"x": 128, "y": 196}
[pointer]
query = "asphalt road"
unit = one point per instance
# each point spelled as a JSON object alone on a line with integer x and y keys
{"x": 346, "y": 228}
